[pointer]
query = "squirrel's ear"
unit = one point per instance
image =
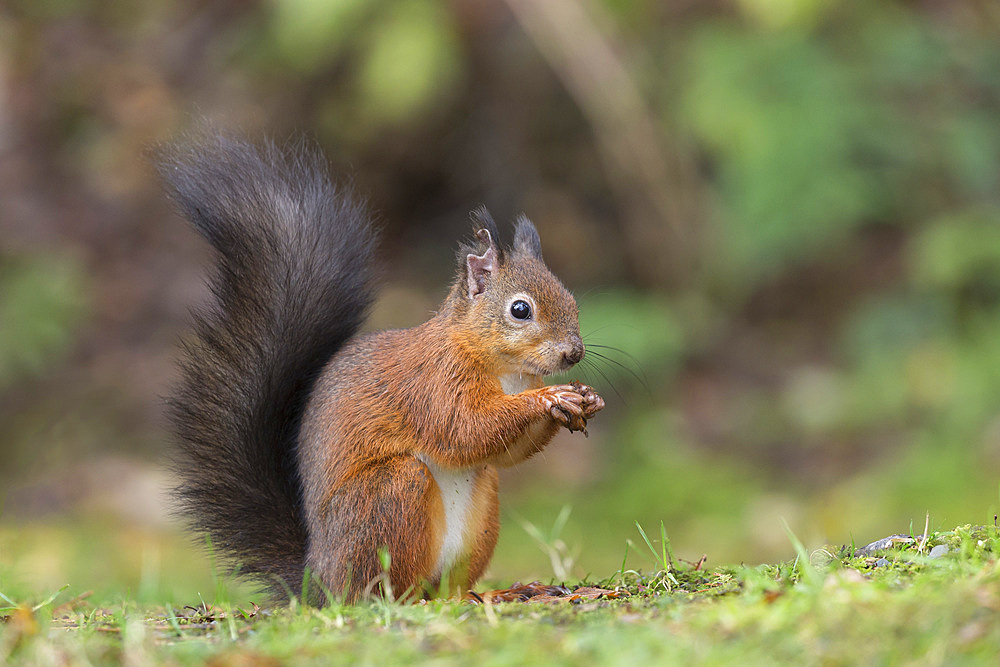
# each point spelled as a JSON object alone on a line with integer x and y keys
{"x": 526, "y": 241}
{"x": 480, "y": 267}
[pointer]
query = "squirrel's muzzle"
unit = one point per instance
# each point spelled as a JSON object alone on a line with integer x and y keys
{"x": 573, "y": 353}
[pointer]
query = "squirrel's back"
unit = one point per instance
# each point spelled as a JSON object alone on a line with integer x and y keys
{"x": 293, "y": 281}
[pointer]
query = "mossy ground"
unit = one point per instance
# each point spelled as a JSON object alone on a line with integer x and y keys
{"x": 897, "y": 606}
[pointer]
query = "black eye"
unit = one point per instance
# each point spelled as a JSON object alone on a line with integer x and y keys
{"x": 520, "y": 310}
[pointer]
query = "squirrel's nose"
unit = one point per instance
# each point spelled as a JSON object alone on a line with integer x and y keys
{"x": 574, "y": 354}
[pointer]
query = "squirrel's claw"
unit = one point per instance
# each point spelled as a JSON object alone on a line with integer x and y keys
{"x": 572, "y": 404}
{"x": 569, "y": 406}
{"x": 573, "y": 422}
{"x": 592, "y": 403}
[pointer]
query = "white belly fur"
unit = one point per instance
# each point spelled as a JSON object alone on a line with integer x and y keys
{"x": 456, "y": 486}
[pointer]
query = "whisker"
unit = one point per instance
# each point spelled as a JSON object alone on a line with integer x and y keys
{"x": 605, "y": 290}
{"x": 607, "y": 379}
{"x": 638, "y": 366}
{"x": 618, "y": 349}
{"x": 597, "y": 330}
{"x": 639, "y": 378}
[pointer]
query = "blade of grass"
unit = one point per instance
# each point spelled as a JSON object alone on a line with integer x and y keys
{"x": 668, "y": 552}
{"x": 808, "y": 572}
{"x": 923, "y": 541}
{"x": 172, "y": 620}
{"x": 49, "y": 600}
{"x": 621, "y": 572}
{"x": 656, "y": 556}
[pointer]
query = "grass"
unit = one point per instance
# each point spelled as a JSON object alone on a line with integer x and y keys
{"x": 910, "y": 604}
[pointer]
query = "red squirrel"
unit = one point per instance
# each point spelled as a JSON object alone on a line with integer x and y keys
{"x": 305, "y": 448}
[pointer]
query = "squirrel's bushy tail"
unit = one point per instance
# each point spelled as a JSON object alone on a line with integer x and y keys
{"x": 293, "y": 282}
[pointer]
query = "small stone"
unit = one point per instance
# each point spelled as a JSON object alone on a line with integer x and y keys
{"x": 938, "y": 551}
{"x": 883, "y": 544}
{"x": 881, "y": 562}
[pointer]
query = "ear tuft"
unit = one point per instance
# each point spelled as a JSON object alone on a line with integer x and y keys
{"x": 481, "y": 219}
{"x": 526, "y": 241}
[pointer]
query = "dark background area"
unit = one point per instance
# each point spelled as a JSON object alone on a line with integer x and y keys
{"x": 783, "y": 213}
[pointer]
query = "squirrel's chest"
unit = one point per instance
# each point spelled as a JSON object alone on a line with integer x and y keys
{"x": 515, "y": 383}
{"x": 462, "y": 503}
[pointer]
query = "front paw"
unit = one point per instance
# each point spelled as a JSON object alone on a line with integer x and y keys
{"x": 592, "y": 403}
{"x": 566, "y": 406}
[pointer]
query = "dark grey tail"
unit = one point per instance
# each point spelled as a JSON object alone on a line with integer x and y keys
{"x": 294, "y": 281}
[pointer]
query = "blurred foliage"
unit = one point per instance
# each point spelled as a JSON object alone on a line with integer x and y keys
{"x": 817, "y": 133}
{"x": 825, "y": 347}
{"x": 309, "y": 34}
{"x": 41, "y": 305}
{"x": 149, "y": 565}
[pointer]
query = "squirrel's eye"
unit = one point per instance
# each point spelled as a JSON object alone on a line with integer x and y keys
{"x": 520, "y": 310}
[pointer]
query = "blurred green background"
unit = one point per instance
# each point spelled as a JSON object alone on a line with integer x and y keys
{"x": 785, "y": 214}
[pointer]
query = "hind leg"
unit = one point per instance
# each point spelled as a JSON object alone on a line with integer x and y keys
{"x": 484, "y": 540}
{"x": 392, "y": 507}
